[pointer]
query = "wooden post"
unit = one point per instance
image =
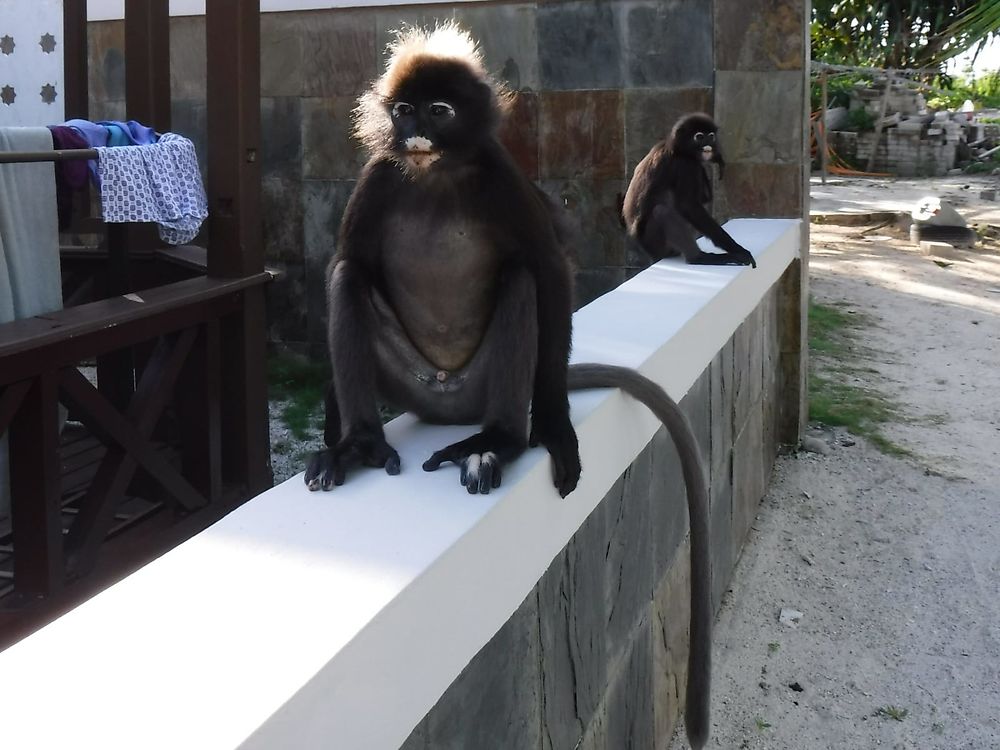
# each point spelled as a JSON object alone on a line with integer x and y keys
{"x": 233, "y": 33}
{"x": 75, "y": 85}
{"x": 878, "y": 123}
{"x": 147, "y": 50}
{"x": 822, "y": 127}
{"x": 35, "y": 488}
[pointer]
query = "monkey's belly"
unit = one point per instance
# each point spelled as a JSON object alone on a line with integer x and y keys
{"x": 442, "y": 283}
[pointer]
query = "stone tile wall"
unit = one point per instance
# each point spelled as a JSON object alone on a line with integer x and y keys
{"x": 596, "y": 655}
{"x": 598, "y": 82}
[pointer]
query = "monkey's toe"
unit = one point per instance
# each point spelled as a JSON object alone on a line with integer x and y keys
{"x": 320, "y": 470}
{"x": 480, "y": 473}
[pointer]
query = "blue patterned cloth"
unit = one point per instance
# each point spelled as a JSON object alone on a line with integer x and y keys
{"x": 159, "y": 182}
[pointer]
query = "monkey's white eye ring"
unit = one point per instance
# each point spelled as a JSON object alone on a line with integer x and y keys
{"x": 699, "y": 137}
{"x": 442, "y": 109}
{"x": 402, "y": 109}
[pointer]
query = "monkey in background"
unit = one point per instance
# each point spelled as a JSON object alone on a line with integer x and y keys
{"x": 664, "y": 206}
{"x": 450, "y": 296}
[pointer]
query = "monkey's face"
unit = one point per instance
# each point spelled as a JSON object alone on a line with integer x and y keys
{"x": 441, "y": 111}
{"x": 697, "y": 137}
{"x": 420, "y": 130}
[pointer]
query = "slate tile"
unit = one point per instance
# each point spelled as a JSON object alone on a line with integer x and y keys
{"x": 339, "y": 53}
{"x": 282, "y": 61}
{"x": 519, "y": 133}
{"x": 760, "y": 34}
{"x": 592, "y": 212}
{"x": 579, "y": 45}
{"x": 496, "y": 700}
{"x": 329, "y": 150}
{"x": 188, "y": 58}
{"x": 652, "y": 54}
{"x": 508, "y": 38}
{"x": 582, "y": 134}
{"x": 760, "y": 116}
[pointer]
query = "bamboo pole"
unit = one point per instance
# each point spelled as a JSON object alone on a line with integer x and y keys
{"x": 878, "y": 123}
{"x": 822, "y": 127}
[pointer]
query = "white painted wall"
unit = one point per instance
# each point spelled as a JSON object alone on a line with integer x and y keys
{"x": 28, "y": 68}
{"x": 336, "y": 620}
{"x": 103, "y": 10}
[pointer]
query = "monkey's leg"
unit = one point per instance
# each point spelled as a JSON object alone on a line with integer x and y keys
{"x": 503, "y": 372}
{"x": 351, "y": 333}
{"x": 331, "y": 416}
{"x": 668, "y": 229}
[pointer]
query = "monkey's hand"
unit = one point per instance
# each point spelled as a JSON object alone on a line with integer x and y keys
{"x": 737, "y": 256}
{"x": 328, "y": 467}
{"x": 480, "y": 457}
{"x": 559, "y": 439}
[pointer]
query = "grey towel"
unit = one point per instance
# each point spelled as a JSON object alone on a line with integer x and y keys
{"x": 30, "y": 282}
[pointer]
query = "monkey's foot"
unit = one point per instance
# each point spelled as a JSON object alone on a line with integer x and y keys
{"x": 479, "y": 458}
{"x": 559, "y": 439}
{"x": 328, "y": 468}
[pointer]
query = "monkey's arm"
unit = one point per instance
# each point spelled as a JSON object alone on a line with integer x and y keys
{"x": 699, "y": 217}
{"x": 550, "y": 421}
{"x": 351, "y": 397}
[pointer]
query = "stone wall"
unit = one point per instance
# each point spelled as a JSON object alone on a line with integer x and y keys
{"x": 596, "y": 655}
{"x": 918, "y": 152}
{"x": 598, "y": 80}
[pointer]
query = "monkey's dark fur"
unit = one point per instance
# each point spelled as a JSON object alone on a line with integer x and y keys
{"x": 664, "y": 207}
{"x": 450, "y": 296}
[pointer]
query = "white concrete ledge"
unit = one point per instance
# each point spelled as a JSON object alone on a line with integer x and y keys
{"x": 308, "y": 620}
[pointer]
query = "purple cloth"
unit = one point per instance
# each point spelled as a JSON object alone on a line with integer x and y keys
{"x": 70, "y": 175}
{"x": 95, "y": 135}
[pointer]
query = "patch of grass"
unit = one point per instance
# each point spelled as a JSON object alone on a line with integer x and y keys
{"x": 937, "y": 727}
{"x": 761, "y": 724}
{"x": 772, "y": 647}
{"x": 893, "y": 712}
{"x": 828, "y": 329}
{"x": 835, "y": 397}
{"x": 301, "y": 385}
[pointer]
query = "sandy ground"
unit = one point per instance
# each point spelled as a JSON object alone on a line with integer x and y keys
{"x": 894, "y": 563}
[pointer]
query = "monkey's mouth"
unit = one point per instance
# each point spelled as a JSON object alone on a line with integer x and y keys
{"x": 420, "y": 153}
{"x": 707, "y": 153}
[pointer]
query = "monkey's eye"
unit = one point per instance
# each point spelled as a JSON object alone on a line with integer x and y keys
{"x": 711, "y": 137}
{"x": 699, "y": 137}
{"x": 442, "y": 109}
{"x": 402, "y": 109}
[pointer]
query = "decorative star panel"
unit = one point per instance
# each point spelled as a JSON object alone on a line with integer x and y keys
{"x": 31, "y": 62}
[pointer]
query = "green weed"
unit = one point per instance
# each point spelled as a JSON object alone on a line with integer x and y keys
{"x": 893, "y": 712}
{"x": 300, "y": 385}
{"x": 836, "y": 397}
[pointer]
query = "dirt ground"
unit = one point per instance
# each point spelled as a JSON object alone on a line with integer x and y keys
{"x": 894, "y": 563}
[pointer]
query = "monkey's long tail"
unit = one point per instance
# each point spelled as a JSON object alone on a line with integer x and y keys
{"x": 641, "y": 388}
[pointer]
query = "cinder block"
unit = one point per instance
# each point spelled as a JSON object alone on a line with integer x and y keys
{"x": 939, "y": 249}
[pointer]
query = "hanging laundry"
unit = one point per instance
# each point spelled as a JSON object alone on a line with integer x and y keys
{"x": 159, "y": 182}
{"x": 30, "y": 281}
{"x": 111, "y": 133}
{"x": 70, "y": 175}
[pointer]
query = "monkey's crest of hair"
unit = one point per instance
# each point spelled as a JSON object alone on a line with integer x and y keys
{"x": 411, "y": 47}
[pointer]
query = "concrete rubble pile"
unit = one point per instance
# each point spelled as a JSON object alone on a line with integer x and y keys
{"x": 914, "y": 142}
